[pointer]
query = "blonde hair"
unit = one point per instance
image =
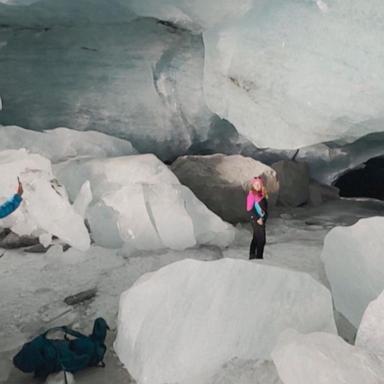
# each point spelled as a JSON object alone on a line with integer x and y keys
{"x": 264, "y": 190}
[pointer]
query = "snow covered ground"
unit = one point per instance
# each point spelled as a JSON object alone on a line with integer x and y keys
{"x": 33, "y": 286}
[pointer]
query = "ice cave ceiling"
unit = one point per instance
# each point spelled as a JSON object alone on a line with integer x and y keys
{"x": 166, "y": 74}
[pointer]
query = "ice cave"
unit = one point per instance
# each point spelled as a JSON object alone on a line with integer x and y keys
{"x": 193, "y": 189}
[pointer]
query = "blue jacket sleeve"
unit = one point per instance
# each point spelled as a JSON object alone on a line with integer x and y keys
{"x": 10, "y": 205}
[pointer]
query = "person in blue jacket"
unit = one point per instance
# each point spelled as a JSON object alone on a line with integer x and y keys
{"x": 12, "y": 203}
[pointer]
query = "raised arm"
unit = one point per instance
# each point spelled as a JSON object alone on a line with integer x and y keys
{"x": 12, "y": 203}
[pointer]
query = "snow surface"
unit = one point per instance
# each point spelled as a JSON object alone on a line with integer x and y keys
{"x": 370, "y": 335}
{"x": 62, "y": 143}
{"x": 45, "y": 209}
{"x": 355, "y": 266}
{"x": 58, "y": 378}
{"x": 138, "y": 202}
{"x": 238, "y": 371}
{"x": 323, "y": 358}
{"x": 181, "y": 323}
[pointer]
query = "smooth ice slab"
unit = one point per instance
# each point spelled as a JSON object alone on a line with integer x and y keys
{"x": 322, "y": 358}
{"x": 183, "y": 322}
{"x": 354, "y": 263}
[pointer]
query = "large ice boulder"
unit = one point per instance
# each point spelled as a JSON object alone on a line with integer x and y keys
{"x": 323, "y": 358}
{"x": 183, "y": 322}
{"x": 138, "y": 202}
{"x": 294, "y": 182}
{"x": 354, "y": 265}
{"x": 370, "y": 335}
{"x": 45, "y": 211}
{"x": 60, "y": 144}
{"x": 220, "y": 181}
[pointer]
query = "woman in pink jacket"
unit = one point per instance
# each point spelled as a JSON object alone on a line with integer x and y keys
{"x": 257, "y": 205}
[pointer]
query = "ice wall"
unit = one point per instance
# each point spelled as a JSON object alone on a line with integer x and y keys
{"x": 286, "y": 73}
{"x": 293, "y": 73}
{"x": 141, "y": 81}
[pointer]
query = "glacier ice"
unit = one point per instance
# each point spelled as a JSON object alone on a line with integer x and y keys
{"x": 61, "y": 144}
{"x": 45, "y": 209}
{"x": 183, "y": 322}
{"x": 51, "y": 13}
{"x": 354, "y": 265}
{"x": 220, "y": 182}
{"x": 283, "y": 84}
{"x": 323, "y": 358}
{"x": 328, "y": 161}
{"x": 140, "y": 80}
{"x": 138, "y": 201}
{"x": 83, "y": 199}
{"x": 286, "y": 84}
{"x": 196, "y": 15}
{"x": 370, "y": 335}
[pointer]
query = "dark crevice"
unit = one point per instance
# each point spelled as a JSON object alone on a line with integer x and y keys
{"x": 365, "y": 181}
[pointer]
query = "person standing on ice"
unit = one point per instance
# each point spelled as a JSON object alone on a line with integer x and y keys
{"x": 12, "y": 203}
{"x": 257, "y": 205}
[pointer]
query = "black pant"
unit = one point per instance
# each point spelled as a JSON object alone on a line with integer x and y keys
{"x": 256, "y": 249}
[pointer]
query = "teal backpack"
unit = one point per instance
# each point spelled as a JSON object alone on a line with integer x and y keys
{"x": 42, "y": 356}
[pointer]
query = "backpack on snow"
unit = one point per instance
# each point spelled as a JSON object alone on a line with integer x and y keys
{"x": 43, "y": 356}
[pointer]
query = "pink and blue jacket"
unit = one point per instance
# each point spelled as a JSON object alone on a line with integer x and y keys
{"x": 257, "y": 203}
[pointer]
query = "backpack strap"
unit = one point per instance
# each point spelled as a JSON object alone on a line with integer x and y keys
{"x": 66, "y": 330}
{"x": 69, "y": 331}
